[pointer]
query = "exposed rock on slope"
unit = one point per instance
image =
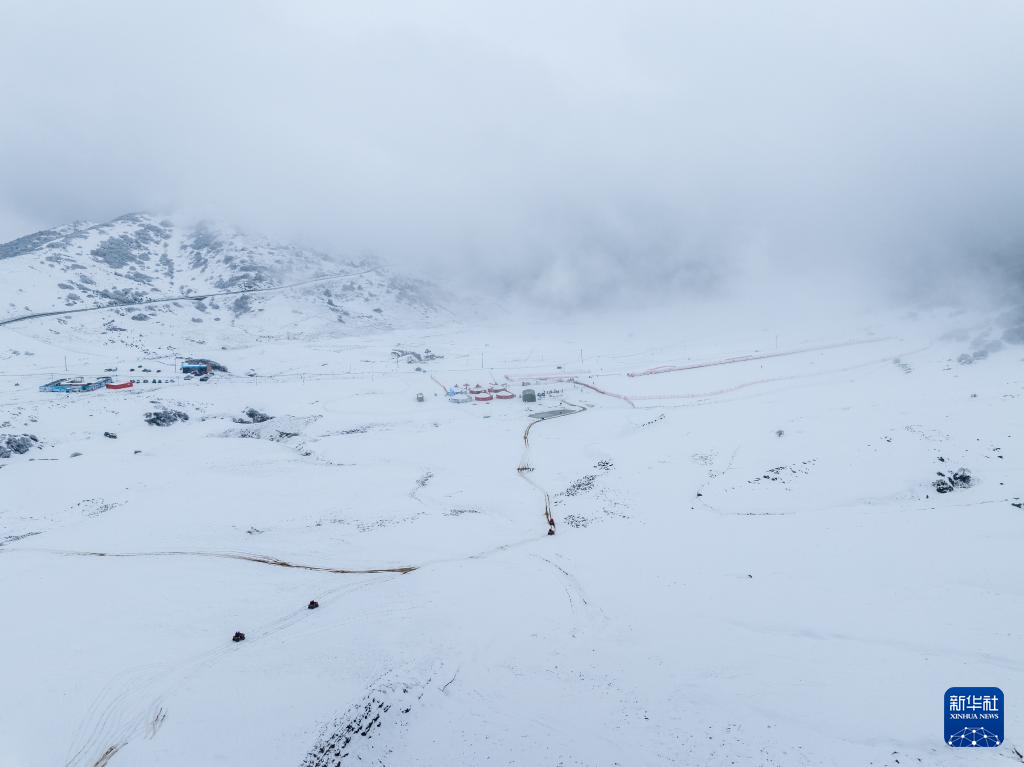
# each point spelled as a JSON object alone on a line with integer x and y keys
{"x": 11, "y": 444}
{"x": 154, "y": 266}
{"x": 165, "y": 417}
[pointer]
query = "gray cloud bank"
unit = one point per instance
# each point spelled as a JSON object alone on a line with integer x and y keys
{"x": 577, "y": 151}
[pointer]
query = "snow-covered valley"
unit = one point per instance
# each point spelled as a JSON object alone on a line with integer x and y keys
{"x": 753, "y": 563}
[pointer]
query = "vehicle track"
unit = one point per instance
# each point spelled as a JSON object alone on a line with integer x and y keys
{"x": 633, "y": 399}
{"x": 525, "y": 467}
{"x": 245, "y": 557}
{"x": 131, "y": 705}
{"x": 190, "y": 297}
{"x": 119, "y": 715}
{"x": 623, "y": 397}
{"x": 751, "y": 358}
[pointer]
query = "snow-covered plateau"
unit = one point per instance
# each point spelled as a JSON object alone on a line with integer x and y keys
{"x": 777, "y": 543}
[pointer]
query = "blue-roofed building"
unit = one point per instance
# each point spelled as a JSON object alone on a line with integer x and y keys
{"x": 201, "y": 367}
{"x": 76, "y": 385}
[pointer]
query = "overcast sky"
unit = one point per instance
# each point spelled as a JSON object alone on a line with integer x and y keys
{"x": 580, "y": 149}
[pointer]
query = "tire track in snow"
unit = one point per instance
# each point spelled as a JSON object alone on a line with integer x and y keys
{"x": 751, "y": 358}
{"x": 525, "y": 466}
{"x": 245, "y": 557}
{"x": 633, "y": 399}
{"x": 107, "y": 726}
{"x": 578, "y": 382}
{"x": 117, "y": 717}
{"x": 131, "y": 705}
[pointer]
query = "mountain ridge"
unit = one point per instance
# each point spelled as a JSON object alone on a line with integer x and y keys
{"x": 140, "y": 260}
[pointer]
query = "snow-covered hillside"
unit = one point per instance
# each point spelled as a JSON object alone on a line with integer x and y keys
{"x": 144, "y": 262}
{"x": 767, "y": 553}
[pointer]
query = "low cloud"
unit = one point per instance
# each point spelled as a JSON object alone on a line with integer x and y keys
{"x": 570, "y": 152}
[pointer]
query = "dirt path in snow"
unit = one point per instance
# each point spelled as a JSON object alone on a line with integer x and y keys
{"x": 114, "y": 721}
{"x": 191, "y": 297}
{"x": 751, "y": 358}
{"x": 525, "y": 467}
{"x": 634, "y": 398}
{"x": 245, "y": 557}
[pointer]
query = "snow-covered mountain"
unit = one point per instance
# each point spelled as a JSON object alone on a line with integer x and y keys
{"x": 765, "y": 523}
{"x": 158, "y": 269}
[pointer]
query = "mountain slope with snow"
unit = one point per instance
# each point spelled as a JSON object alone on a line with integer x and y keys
{"x": 137, "y": 262}
{"x": 766, "y": 554}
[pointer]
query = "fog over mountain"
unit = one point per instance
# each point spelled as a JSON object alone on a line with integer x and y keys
{"x": 572, "y": 153}
{"x": 403, "y": 384}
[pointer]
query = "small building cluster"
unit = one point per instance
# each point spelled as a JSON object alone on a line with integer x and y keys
{"x": 459, "y": 396}
{"x": 198, "y": 366}
{"x": 466, "y": 393}
{"x": 76, "y": 385}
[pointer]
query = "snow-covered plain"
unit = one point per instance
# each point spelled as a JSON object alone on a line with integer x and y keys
{"x": 751, "y": 565}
